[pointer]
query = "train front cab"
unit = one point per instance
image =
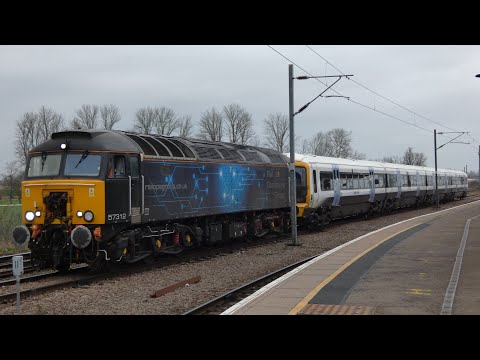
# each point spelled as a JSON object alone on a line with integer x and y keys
{"x": 68, "y": 198}
{"x": 310, "y": 195}
{"x": 302, "y": 181}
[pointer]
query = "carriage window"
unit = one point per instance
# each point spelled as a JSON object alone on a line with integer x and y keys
{"x": 134, "y": 168}
{"x": 429, "y": 180}
{"x": 343, "y": 180}
{"x": 361, "y": 183}
{"x": 116, "y": 166}
{"x": 350, "y": 181}
{"x": 392, "y": 180}
{"x": 355, "y": 181}
{"x": 411, "y": 180}
{"x": 315, "y": 180}
{"x": 380, "y": 181}
{"x": 325, "y": 180}
{"x": 377, "y": 181}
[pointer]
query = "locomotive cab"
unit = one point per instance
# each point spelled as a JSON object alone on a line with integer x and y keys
{"x": 73, "y": 187}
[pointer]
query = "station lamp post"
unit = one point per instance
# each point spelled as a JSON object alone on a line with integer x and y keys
{"x": 293, "y": 188}
{"x": 436, "y": 148}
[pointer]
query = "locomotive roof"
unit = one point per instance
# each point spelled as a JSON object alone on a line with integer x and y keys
{"x": 158, "y": 146}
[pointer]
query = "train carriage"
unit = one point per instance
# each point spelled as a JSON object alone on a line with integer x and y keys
{"x": 330, "y": 188}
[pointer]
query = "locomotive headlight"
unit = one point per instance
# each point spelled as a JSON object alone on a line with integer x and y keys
{"x": 63, "y": 146}
{"x": 29, "y": 215}
{"x": 88, "y": 215}
{"x": 38, "y": 213}
{"x": 79, "y": 213}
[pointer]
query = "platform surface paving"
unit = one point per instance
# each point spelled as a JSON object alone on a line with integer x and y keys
{"x": 405, "y": 268}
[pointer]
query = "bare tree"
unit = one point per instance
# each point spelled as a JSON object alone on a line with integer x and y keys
{"x": 305, "y": 147}
{"x": 358, "y": 155}
{"x": 277, "y": 132}
{"x": 34, "y": 128}
{"x": 239, "y": 124}
{"x": 48, "y": 122}
{"x": 86, "y": 117}
{"x": 185, "y": 127}
{"x": 25, "y": 136}
{"x": 318, "y": 145}
{"x": 144, "y": 120}
{"x": 110, "y": 115}
{"x": 414, "y": 158}
{"x": 421, "y": 159}
{"x": 165, "y": 121}
{"x": 211, "y": 125}
{"x": 12, "y": 179}
{"x": 408, "y": 157}
{"x": 391, "y": 159}
{"x": 333, "y": 143}
{"x": 247, "y": 133}
{"x": 339, "y": 142}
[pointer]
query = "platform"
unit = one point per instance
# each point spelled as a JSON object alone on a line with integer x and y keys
{"x": 424, "y": 265}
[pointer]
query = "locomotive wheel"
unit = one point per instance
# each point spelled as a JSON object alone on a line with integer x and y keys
{"x": 187, "y": 240}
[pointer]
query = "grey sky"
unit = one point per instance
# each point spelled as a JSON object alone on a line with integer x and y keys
{"x": 437, "y": 82}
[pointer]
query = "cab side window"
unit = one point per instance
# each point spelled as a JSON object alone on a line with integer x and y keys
{"x": 134, "y": 168}
{"x": 116, "y": 166}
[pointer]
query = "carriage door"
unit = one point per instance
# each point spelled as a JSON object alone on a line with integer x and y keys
{"x": 372, "y": 185}
{"x": 117, "y": 195}
{"x": 136, "y": 189}
{"x": 337, "y": 194}
{"x": 418, "y": 183}
{"x": 399, "y": 184}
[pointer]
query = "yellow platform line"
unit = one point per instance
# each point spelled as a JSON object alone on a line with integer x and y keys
{"x": 312, "y": 293}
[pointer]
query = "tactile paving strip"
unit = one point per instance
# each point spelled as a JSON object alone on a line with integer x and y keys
{"x": 325, "y": 309}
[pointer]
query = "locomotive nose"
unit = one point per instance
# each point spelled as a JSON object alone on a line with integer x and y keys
{"x": 21, "y": 235}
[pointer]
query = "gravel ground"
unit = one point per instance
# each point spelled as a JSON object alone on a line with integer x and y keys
{"x": 131, "y": 294}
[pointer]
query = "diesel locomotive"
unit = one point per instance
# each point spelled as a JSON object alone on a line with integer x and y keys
{"x": 97, "y": 196}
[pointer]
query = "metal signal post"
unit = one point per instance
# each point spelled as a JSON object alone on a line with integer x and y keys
{"x": 292, "y": 178}
{"x": 435, "y": 145}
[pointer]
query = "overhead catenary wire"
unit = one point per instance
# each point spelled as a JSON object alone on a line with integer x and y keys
{"x": 383, "y": 97}
{"x": 349, "y": 99}
{"x": 363, "y": 105}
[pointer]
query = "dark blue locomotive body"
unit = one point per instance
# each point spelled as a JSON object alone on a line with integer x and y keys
{"x": 100, "y": 195}
{"x": 177, "y": 190}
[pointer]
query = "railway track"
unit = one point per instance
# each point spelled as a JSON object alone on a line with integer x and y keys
{"x": 223, "y": 302}
{"x": 194, "y": 255}
{"x": 85, "y": 277}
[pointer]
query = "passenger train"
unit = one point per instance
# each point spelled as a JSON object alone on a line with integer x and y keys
{"x": 331, "y": 188}
{"x": 102, "y": 197}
